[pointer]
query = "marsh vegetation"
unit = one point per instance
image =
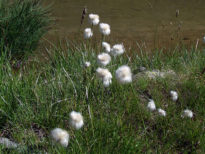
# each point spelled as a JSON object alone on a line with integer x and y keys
{"x": 111, "y": 90}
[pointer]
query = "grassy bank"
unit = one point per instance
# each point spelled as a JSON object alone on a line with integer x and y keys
{"x": 40, "y": 97}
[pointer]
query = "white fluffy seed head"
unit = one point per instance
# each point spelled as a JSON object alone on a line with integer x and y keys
{"x": 103, "y": 59}
{"x": 107, "y": 82}
{"x": 104, "y": 28}
{"x": 103, "y": 73}
{"x": 117, "y": 49}
{"x": 174, "y": 95}
{"x": 123, "y": 74}
{"x": 106, "y": 46}
{"x": 76, "y": 120}
{"x": 93, "y": 19}
{"x": 88, "y": 33}
{"x": 87, "y": 64}
{"x": 162, "y": 112}
{"x": 60, "y": 136}
{"x": 151, "y": 105}
{"x": 187, "y": 113}
{"x": 105, "y": 76}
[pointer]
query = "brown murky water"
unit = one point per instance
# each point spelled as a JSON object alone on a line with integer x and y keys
{"x": 151, "y": 23}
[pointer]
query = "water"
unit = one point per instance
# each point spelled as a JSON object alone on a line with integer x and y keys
{"x": 150, "y": 23}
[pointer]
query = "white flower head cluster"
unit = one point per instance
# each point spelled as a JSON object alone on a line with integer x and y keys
{"x": 76, "y": 120}
{"x": 88, "y": 33}
{"x": 103, "y": 59}
{"x": 106, "y": 46}
{"x": 151, "y": 105}
{"x": 161, "y": 112}
{"x": 60, "y": 136}
{"x": 187, "y": 113}
{"x": 104, "y": 28}
{"x": 93, "y": 19}
{"x": 87, "y": 64}
{"x": 124, "y": 74}
{"x": 105, "y": 76}
{"x": 117, "y": 49}
{"x": 174, "y": 95}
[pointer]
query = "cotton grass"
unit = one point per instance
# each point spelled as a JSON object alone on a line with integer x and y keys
{"x": 117, "y": 49}
{"x": 204, "y": 39}
{"x": 60, "y": 136}
{"x": 103, "y": 59}
{"x": 104, "y": 28}
{"x": 105, "y": 76}
{"x": 123, "y": 74}
{"x": 174, "y": 95}
{"x": 151, "y": 105}
{"x": 76, "y": 120}
{"x": 88, "y": 33}
{"x": 106, "y": 46}
{"x": 187, "y": 113}
{"x": 93, "y": 19}
{"x": 161, "y": 112}
{"x": 87, "y": 64}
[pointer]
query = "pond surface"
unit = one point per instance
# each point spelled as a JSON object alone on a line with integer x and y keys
{"x": 151, "y": 23}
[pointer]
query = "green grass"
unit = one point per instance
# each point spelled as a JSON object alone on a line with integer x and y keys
{"x": 22, "y": 24}
{"x": 40, "y": 97}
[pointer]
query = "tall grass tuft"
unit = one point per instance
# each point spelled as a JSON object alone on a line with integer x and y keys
{"x": 22, "y": 24}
